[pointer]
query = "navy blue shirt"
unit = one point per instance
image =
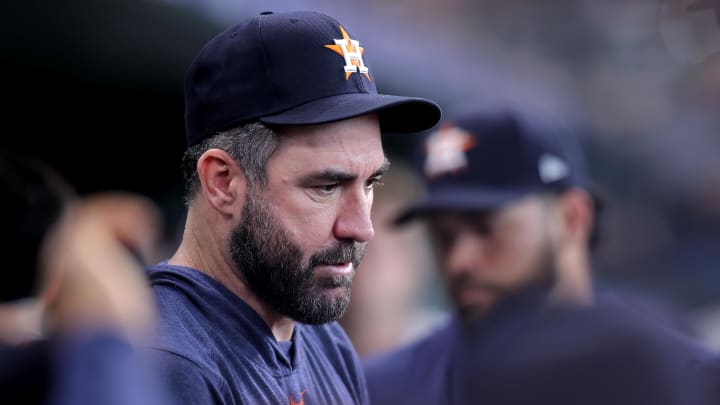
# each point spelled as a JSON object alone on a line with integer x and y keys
{"x": 525, "y": 353}
{"x": 606, "y": 354}
{"x": 214, "y": 349}
{"x": 101, "y": 367}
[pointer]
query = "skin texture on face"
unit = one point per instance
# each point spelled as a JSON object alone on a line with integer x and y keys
{"x": 485, "y": 256}
{"x": 300, "y": 239}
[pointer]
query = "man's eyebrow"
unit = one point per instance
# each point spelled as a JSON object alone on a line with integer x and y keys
{"x": 331, "y": 175}
{"x": 341, "y": 176}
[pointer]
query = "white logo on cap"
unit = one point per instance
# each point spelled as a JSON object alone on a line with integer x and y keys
{"x": 552, "y": 168}
{"x": 446, "y": 150}
{"x": 351, "y": 50}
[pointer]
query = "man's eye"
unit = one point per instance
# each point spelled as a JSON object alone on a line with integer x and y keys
{"x": 374, "y": 182}
{"x": 482, "y": 226}
{"x": 326, "y": 188}
{"x": 442, "y": 238}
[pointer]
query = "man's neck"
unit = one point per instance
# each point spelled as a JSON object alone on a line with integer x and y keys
{"x": 573, "y": 278}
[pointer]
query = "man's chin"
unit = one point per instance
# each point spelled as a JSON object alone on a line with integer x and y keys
{"x": 334, "y": 293}
{"x": 332, "y": 305}
{"x": 474, "y": 313}
{"x": 474, "y": 300}
{"x": 476, "y": 309}
{"x": 343, "y": 282}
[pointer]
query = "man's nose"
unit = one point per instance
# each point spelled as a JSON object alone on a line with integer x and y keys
{"x": 467, "y": 251}
{"x": 353, "y": 221}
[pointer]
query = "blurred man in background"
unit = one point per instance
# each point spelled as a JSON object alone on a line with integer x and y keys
{"x": 512, "y": 219}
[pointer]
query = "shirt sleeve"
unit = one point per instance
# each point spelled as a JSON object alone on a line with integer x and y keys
{"x": 101, "y": 368}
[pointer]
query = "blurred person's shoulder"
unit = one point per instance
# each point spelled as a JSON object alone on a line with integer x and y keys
{"x": 414, "y": 373}
{"x": 648, "y": 307}
{"x": 604, "y": 353}
{"x": 427, "y": 346}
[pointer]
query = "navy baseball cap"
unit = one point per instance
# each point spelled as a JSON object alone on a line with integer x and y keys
{"x": 295, "y": 68}
{"x": 487, "y": 159}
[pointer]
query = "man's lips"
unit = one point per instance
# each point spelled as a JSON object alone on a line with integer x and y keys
{"x": 340, "y": 269}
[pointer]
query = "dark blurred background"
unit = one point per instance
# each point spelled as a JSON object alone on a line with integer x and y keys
{"x": 95, "y": 88}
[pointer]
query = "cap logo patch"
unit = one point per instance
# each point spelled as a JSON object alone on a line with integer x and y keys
{"x": 446, "y": 150}
{"x": 351, "y": 50}
{"x": 552, "y": 168}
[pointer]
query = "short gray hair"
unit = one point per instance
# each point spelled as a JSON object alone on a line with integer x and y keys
{"x": 251, "y": 145}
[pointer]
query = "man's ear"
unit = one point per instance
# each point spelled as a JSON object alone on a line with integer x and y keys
{"x": 222, "y": 180}
{"x": 577, "y": 213}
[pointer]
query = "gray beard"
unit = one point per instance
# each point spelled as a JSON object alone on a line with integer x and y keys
{"x": 270, "y": 263}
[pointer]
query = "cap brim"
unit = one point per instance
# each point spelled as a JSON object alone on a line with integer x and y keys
{"x": 397, "y": 114}
{"x": 460, "y": 200}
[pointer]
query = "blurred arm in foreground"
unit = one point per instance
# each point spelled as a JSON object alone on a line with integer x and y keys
{"x": 97, "y": 301}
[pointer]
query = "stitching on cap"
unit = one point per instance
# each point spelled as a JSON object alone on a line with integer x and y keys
{"x": 265, "y": 60}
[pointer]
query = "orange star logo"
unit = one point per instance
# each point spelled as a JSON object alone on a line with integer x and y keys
{"x": 446, "y": 150}
{"x": 301, "y": 402}
{"x": 351, "y": 50}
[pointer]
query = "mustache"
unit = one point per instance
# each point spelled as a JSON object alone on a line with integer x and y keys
{"x": 343, "y": 252}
